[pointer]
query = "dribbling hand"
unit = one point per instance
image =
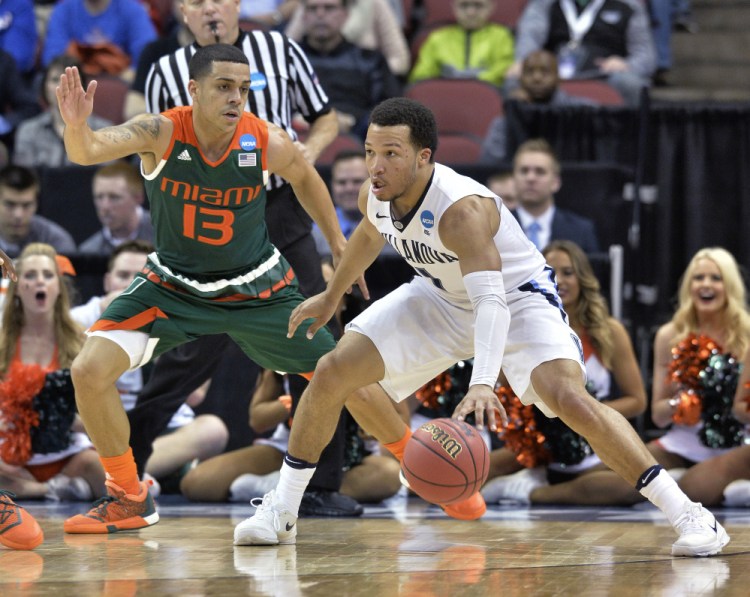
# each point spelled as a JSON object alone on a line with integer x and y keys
{"x": 76, "y": 105}
{"x": 481, "y": 401}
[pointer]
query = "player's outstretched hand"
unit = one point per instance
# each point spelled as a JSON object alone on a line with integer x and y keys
{"x": 76, "y": 105}
{"x": 318, "y": 308}
{"x": 6, "y": 266}
{"x": 481, "y": 401}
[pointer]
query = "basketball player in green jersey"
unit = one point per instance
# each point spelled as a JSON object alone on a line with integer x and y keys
{"x": 214, "y": 269}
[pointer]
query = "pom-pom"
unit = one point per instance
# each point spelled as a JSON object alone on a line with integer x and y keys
{"x": 521, "y": 435}
{"x": 17, "y": 416}
{"x": 56, "y": 407}
{"x": 443, "y": 394}
{"x": 708, "y": 378}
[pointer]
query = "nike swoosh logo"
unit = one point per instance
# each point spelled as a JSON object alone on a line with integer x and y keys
{"x": 289, "y": 527}
{"x": 715, "y": 528}
{"x": 380, "y": 216}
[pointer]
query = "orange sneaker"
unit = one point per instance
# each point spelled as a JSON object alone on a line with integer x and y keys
{"x": 18, "y": 528}
{"x": 469, "y": 509}
{"x": 118, "y": 511}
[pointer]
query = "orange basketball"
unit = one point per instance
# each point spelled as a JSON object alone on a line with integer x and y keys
{"x": 445, "y": 461}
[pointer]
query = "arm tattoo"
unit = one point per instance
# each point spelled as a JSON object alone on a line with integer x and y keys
{"x": 132, "y": 129}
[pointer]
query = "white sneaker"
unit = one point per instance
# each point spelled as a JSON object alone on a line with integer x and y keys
{"x": 737, "y": 494}
{"x": 700, "y": 533}
{"x": 268, "y": 526}
{"x": 246, "y": 487}
{"x": 515, "y": 488}
{"x": 62, "y": 488}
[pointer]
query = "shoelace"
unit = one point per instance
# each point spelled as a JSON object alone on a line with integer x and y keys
{"x": 8, "y": 505}
{"x": 261, "y": 504}
{"x": 692, "y": 518}
{"x": 101, "y": 504}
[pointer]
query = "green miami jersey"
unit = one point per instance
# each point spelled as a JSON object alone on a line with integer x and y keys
{"x": 209, "y": 217}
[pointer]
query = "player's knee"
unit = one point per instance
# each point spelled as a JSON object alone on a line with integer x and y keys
{"x": 330, "y": 368}
{"x": 86, "y": 373}
{"x": 574, "y": 406}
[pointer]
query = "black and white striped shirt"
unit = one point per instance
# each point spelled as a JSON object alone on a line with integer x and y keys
{"x": 282, "y": 81}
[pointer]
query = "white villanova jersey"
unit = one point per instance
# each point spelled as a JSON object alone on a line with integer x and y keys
{"x": 416, "y": 238}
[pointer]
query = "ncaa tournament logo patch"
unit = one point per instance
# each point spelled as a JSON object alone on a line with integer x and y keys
{"x": 428, "y": 220}
{"x": 258, "y": 82}
{"x": 248, "y": 142}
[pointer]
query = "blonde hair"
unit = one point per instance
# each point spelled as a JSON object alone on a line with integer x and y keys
{"x": 735, "y": 318}
{"x": 591, "y": 307}
{"x": 68, "y": 333}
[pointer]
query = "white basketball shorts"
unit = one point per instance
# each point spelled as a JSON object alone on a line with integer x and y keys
{"x": 420, "y": 334}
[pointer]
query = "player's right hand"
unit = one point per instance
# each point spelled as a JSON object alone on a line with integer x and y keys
{"x": 483, "y": 402}
{"x": 76, "y": 105}
{"x": 320, "y": 308}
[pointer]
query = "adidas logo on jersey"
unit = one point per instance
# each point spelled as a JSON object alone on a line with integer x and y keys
{"x": 185, "y": 156}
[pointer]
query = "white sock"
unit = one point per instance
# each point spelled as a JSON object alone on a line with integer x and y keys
{"x": 292, "y": 484}
{"x": 664, "y": 493}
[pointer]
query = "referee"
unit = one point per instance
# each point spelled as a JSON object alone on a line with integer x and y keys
{"x": 282, "y": 84}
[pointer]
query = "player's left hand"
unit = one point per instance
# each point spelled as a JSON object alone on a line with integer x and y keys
{"x": 481, "y": 400}
{"x": 6, "y": 266}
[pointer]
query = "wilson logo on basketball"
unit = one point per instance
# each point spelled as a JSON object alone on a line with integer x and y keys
{"x": 450, "y": 444}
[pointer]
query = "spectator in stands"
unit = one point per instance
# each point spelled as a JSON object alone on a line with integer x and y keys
{"x": 348, "y": 174}
{"x": 473, "y": 48}
{"x": 536, "y": 171}
{"x": 188, "y": 437}
{"x": 355, "y": 79}
{"x": 118, "y": 199}
{"x": 18, "y": 34}
{"x": 504, "y": 186}
{"x": 19, "y": 224}
{"x": 370, "y": 24}
{"x": 107, "y": 35}
{"x": 592, "y": 38}
{"x": 539, "y": 84}
{"x": 39, "y": 140}
{"x": 38, "y": 342}
{"x": 17, "y": 101}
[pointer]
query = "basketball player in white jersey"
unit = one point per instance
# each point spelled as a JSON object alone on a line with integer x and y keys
{"x": 482, "y": 291}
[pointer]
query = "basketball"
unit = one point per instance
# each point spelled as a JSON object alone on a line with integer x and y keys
{"x": 445, "y": 461}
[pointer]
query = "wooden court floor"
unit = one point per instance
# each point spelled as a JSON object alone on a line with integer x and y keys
{"x": 402, "y": 548}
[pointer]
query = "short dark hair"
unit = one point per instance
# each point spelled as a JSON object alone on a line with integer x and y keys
{"x": 19, "y": 178}
{"x": 404, "y": 111}
{"x": 202, "y": 61}
{"x": 137, "y": 245}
